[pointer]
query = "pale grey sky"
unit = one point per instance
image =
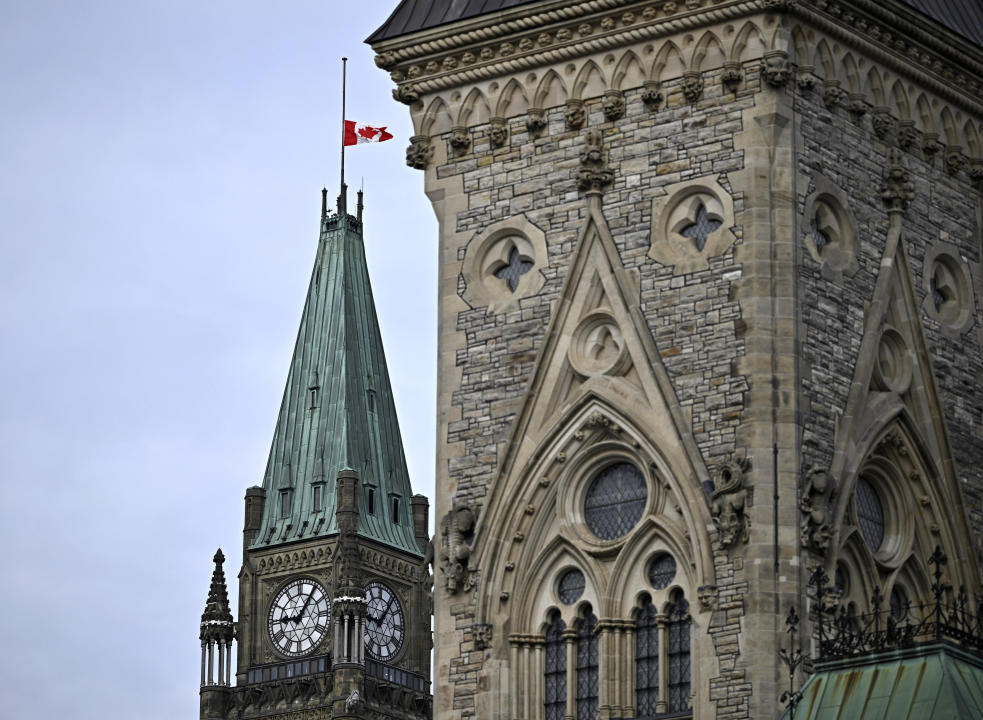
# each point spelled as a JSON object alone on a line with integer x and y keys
{"x": 160, "y": 173}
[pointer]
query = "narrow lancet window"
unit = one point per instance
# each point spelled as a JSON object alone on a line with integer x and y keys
{"x": 555, "y": 701}
{"x": 587, "y": 667}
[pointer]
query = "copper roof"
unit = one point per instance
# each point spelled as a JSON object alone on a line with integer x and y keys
{"x": 963, "y": 17}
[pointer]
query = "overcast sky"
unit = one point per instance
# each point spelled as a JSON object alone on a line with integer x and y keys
{"x": 160, "y": 172}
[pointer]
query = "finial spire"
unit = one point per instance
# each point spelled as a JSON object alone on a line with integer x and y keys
{"x": 324, "y": 204}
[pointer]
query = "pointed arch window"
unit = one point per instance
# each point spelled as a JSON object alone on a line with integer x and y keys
{"x": 587, "y": 667}
{"x": 555, "y": 700}
{"x": 646, "y": 660}
{"x": 679, "y": 654}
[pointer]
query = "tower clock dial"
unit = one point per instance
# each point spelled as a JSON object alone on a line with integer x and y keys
{"x": 299, "y": 617}
{"x": 384, "y": 624}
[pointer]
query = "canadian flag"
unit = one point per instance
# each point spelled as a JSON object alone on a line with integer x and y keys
{"x": 356, "y": 134}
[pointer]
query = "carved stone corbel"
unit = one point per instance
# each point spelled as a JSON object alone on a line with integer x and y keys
{"x": 729, "y": 503}
{"x": 817, "y": 494}
{"x": 652, "y": 95}
{"x": 460, "y": 140}
{"x": 498, "y": 133}
{"x": 776, "y": 68}
{"x": 897, "y": 190}
{"x": 455, "y": 550}
{"x": 882, "y": 121}
{"x": 536, "y": 122}
{"x": 575, "y": 114}
{"x": 907, "y": 134}
{"x": 613, "y": 105}
{"x": 708, "y": 597}
{"x": 419, "y": 152}
{"x": 856, "y": 106}
{"x": 692, "y": 85}
{"x": 406, "y": 94}
{"x": 833, "y": 94}
{"x": 732, "y": 75}
{"x": 806, "y": 78}
{"x": 955, "y": 161}
{"x": 594, "y": 174}
{"x": 482, "y": 633}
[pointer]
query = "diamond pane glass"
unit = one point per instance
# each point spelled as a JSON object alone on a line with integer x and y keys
{"x": 556, "y": 670}
{"x": 571, "y": 586}
{"x": 615, "y": 501}
{"x": 587, "y": 668}
{"x": 679, "y": 655}
{"x": 870, "y": 514}
{"x": 517, "y": 267}
{"x": 701, "y": 229}
{"x": 899, "y": 603}
{"x": 661, "y": 571}
{"x": 646, "y": 661}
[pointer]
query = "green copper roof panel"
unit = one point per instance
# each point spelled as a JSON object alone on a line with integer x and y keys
{"x": 925, "y": 683}
{"x": 338, "y": 410}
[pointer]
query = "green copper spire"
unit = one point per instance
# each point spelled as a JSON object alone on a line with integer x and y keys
{"x": 338, "y": 411}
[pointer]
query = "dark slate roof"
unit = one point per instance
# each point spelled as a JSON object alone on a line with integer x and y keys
{"x": 349, "y": 421}
{"x": 963, "y": 17}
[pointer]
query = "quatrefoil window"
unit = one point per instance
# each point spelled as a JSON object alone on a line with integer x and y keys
{"x": 948, "y": 288}
{"x": 701, "y": 229}
{"x": 829, "y": 229}
{"x": 516, "y": 267}
{"x": 819, "y": 236}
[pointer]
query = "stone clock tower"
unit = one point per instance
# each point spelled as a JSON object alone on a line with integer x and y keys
{"x": 334, "y": 592}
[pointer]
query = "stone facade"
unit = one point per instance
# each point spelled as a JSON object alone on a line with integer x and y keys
{"x": 722, "y": 243}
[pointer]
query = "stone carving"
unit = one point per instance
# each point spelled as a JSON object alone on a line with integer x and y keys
{"x": 776, "y": 69}
{"x": 498, "y": 133}
{"x": 816, "y": 497}
{"x": 460, "y": 140}
{"x": 455, "y": 552}
{"x": 692, "y": 85}
{"x": 536, "y": 122}
{"x": 594, "y": 174}
{"x": 882, "y": 122}
{"x": 652, "y": 95}
{"x": 732, "y": 75}
{"x": 955, "y": 161}
{"x": 419, "y": 152}
{"x": 907, "y": 134}
{"x": 857, "y": 106}
{"x": 385, "y": 60}
{"x": 613, "y": 105}
{"x": 897, "y": 190}
{"x": 406, "y": 94}
{"x": 930, "y": 146}
{"x": 575, "y": 114}
{"x": 805, "y": 78}
{"x": 708, "y": 596}
{"x": 482, "y": 636}
{"x": 976, "y": 171}
{"x": 833, "y": 94}
{"x": 729, "y": 501}
{"x": 353, "y": 701}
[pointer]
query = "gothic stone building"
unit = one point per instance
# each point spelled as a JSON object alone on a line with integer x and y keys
{"x": 710, "y": 319}
{"x": 334, "y": 593}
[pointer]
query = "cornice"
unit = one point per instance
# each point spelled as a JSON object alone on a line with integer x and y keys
{"x": 955, "y": 83}
{"x": 560, "y": 43}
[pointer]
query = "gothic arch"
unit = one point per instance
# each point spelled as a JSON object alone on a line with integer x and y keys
{"x": 551, "y": 91}
{"x": 901, "y": 104}
{"x": 538, "y": 580}
{"x": 513, "y": 100}
{"x": 801, "y": 47}
{"x": 437, "y": 119}
{"x": 824, "y": 60}
{"x": 851, "y": 74}
{"x": 875, "y": 87}
{"x": 474, "y": 110}
{"x": 668, "y": 62}
{"x": 750, "y": 43}
{"x": 972, "y": 140}
{"x": 708, "y": 53}
{"x": 590, "y": 82}
{"x": 925, "y": 115}
{"x": 629, "y": 72}
{"x": 950, "y": 135}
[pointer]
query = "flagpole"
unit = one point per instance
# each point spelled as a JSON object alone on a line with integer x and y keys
{"x": 344, "y": 64}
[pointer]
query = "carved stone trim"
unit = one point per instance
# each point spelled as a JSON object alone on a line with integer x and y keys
{"x": 776, "y": 68}
{"x": 419, "y": 152}
{"x": 729, "y": 503}
{"x": 817, "y": 494}
{"x": 897, "y": 189}
{"x": 594, "y": 175}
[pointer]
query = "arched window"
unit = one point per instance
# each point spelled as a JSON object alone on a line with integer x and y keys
{"x": 679, "y": 653}
{"x": 556, "y": 669}
{"x": 587, "y": 667}
{"x": 646, "y": 660}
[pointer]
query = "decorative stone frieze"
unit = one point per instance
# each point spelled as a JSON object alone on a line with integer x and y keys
{"x": 419, "y": 152}
{"x": 594, "y": 175}
{"x": 816, "y": 527}
{"x": 776, "y": 68}
{"x": 729, "y": 503}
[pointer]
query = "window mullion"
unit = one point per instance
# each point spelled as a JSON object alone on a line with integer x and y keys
{"x": 663, "y": 701}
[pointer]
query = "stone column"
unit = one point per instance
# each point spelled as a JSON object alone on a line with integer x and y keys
{"x": 570, "y": 638}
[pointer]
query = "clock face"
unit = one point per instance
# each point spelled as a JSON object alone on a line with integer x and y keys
{"x": 299, "y": 617}
{"x": 384, "y": 625}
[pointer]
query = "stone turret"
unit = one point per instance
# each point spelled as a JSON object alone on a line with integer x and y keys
{"x": 216, "y": 635}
